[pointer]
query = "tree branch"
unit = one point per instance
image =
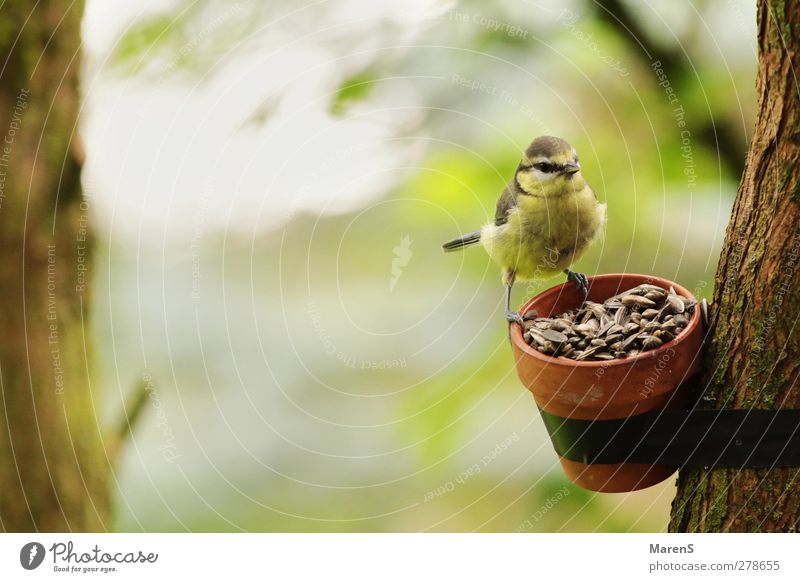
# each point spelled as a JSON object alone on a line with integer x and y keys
{"x": 721, "y": 135}
{"x": 131, "y": 413}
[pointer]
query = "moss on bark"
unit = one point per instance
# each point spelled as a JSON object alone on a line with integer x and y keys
{"x": 53, "y": 470}
{"x": 751, "y": 356}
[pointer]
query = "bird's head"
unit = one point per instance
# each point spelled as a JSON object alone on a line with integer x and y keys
{"x": 549, "y": 167}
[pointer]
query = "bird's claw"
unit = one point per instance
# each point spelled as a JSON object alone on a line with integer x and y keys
{"x": 581, "y": 282}
{"x": 513, "y": 317}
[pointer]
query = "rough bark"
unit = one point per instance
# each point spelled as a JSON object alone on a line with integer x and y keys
{"x": 53, "y": 470}
{"x": 752, "y": 356}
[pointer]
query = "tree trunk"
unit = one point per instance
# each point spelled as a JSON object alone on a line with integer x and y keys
{"x": 752, "y": 356}
{"x": 53, "y": 471}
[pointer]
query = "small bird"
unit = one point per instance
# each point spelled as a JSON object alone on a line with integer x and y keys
{"x": 545, "y": 219}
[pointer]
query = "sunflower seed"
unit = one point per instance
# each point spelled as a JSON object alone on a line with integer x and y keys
{"x": 597, "y": 310}
{"x": 627, "y": 324}
{"x": 664, "y": 335}
{"x": 605, "y": 327}
{"x": 554, "y": 336}
{"x": 621, "y": 316}
{"x": 614, "y": 330}
{"x": 630, "y": 328}
{"x": 530, "y": 314}
{"x": 652, "y": 326}
{"x": 589, "y": 352}
{"x": 676, "y": 304}
{"x": 650, "y": 313}
{"x": 651, "y": 342}
{"x": 669, "y": 326}
{"x": 637, "y": 302}
{"x": 630, "y": 341}
{"x": 561, "y": 324}
{"x": 680, "y": 320}
{"x": 655, "y": 296}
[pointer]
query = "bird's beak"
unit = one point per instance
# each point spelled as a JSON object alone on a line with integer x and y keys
{"x": 571, "y": 168}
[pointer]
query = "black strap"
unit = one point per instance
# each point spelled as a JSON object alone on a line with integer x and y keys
{"x": 707, "y": 438}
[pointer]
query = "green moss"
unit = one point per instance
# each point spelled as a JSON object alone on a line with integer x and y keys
{"x": 718, "y": 509}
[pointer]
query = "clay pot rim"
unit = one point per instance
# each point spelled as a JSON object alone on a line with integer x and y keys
{"x": 515, "y": 329}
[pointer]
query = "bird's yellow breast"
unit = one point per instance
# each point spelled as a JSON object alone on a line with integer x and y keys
{"x": 545, "y": 234}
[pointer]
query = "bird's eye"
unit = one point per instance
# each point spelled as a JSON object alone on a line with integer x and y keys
{"x": 544, "y": 167}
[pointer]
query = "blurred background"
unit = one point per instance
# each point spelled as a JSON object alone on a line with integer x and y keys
{"x": 271, "y": 184}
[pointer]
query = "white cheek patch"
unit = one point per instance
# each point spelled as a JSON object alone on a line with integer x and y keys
{"x": 544, "y": 176}
{"x": 534, "y": 181}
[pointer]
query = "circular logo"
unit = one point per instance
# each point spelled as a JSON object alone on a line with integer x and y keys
{"x": 31, "y": 555}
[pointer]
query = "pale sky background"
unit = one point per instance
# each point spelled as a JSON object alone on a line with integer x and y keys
{"x": 252, "y": 142}
{"x": 167, "y": 150}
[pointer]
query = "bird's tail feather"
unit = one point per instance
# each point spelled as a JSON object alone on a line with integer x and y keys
{"x": 461, "y": 242}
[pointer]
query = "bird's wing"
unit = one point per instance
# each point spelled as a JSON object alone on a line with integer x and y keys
{"x": 507, "y": 201}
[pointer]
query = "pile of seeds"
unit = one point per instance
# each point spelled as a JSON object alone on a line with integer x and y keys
{"x": 635, "y": 321}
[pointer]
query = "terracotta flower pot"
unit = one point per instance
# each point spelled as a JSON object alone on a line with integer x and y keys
{"x": 611, "y": 389}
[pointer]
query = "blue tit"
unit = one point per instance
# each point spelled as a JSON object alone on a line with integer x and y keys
{"x": 544, "y": 221}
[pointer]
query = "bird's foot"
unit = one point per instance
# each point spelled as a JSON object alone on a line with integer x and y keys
{"x": 580, "y": 280}
{"x": 513, "y": 317}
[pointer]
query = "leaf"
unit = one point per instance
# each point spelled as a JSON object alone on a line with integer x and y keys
{"x": 144, "y": 39}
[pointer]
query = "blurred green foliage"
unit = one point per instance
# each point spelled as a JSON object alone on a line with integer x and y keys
{"x": 397, "y": 435}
